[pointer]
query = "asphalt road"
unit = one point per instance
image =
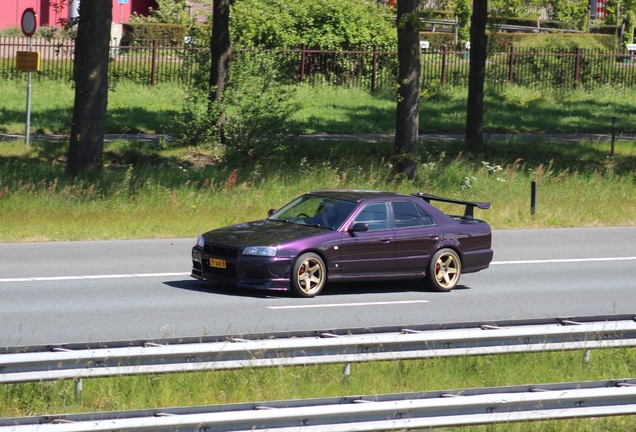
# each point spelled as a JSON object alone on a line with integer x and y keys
{"x": 119, "y": 290}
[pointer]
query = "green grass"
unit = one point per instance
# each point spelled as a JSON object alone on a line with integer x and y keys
{"x": 328, "y": 109}
{"x": 512, "y": 110}
{"x": 235, "y": 386}
{"x": 132, "y": 108}
{"x": 578, "y": 185}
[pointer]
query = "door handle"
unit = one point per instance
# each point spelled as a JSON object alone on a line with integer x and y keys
{"x": 385, "y": 240}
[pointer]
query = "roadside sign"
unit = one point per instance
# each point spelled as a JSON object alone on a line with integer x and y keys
{"x": 29, "y": 22}
{"x": 122, "y": 1}
{"x": 27, "y": 61}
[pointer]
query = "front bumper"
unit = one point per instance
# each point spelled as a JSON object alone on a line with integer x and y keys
{"x": 270, "y": 273}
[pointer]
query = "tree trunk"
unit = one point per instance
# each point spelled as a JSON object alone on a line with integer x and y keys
{"x": 220, "y": 48}
{"x": 477, "y": 75}
{"x": 91, "y": 86}
{"x": 408, "y": 93}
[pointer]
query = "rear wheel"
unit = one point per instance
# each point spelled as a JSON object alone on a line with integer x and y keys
{"x": 444, "y": 270}
{"x": 308, "y": 275}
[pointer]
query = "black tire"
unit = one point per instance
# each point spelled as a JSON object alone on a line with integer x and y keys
{"x": 444, "y": 271}
{"x": 308, "y": 275}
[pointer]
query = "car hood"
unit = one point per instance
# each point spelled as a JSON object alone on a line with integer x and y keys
{"x": 261, "y": 233}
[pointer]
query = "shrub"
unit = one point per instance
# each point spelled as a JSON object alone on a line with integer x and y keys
{"x": 255, "y": 105}
{"x": 324, "y": 24}
{"x": 555, "y": 41}
{"x": 142, "y": 33}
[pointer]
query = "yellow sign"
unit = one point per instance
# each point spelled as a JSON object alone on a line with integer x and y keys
{"x": 27, "y": 61}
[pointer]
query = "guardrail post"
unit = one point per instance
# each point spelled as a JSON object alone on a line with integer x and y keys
{"x": 346, "y": 372}
{"x": 153, "y": 73}
{"x": 78, "y": 390}
{"x": 586, "y": 358}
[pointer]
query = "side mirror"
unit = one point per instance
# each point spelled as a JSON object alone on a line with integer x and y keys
{"x": 271, "y": 212}
{"x": 359, "y": 227}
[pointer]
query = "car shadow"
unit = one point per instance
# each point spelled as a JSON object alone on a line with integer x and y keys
{"x": 379, "y": 287}
{"x": 207, "y": 287}
{"x": 331, "y": 289}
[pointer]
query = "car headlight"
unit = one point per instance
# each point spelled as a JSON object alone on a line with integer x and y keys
{"x": 200, "y": 241}
{"x": 260, "y": 251}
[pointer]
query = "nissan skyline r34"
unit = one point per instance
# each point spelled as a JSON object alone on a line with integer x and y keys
{"x": 347, "y": 235}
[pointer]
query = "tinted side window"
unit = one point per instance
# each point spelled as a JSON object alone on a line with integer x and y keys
{"x": 405, "y": 214}
{"x": 374, "y": 215}
{"x": 425, "y": 217}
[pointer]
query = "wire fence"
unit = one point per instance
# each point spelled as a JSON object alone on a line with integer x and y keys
{"x": 370, "y": 68}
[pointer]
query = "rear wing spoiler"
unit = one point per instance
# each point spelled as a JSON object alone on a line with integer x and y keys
{"x": 470, "y": 205}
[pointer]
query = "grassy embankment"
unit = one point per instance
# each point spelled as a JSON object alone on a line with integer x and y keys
{"x": 578, "y": 183}
{"x": 146, "y": 192}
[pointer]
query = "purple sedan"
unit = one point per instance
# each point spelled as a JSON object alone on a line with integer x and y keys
{"x": 347, "y": 235}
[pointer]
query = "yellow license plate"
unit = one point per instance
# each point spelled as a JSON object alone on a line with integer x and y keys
{"x": 218, "y": 263}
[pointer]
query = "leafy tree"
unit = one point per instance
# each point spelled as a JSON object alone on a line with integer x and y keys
{"x": 626, "y": 14}
{"x": 91, "y": 86}
{"x": 167, "y": 12}
{"x": 408, "y": 92}
{"x": 463, "y": 10}
{"x": 572, "y": 12}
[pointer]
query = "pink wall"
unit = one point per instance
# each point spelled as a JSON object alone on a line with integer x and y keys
{"x": 11, "y": 11}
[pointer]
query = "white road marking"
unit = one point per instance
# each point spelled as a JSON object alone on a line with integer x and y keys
{"x": 119, "y": 276}
{"x": 566, "y": 260}
{"x": 348, "y": 304}
{"x": 145, "y": 275}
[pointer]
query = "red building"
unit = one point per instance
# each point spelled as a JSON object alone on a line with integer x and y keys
{"x": 53, "y": 12}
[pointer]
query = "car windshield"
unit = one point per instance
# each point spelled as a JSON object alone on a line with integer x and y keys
{"x": 315, "y": 210}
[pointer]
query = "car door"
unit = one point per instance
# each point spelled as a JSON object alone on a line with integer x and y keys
{"x": 416, "y": 236}
{"x": 369, "y": 252}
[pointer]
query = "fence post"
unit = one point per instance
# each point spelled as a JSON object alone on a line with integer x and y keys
{"x": 153, "y": 73}
{"x": 444, "y": 60}
{"x": 303, "y": 55}
{"x": 533, "y": 198}
{"x": 375, "y": 67}
{"x": 511, "y": 65}
{"x": 577, "y": 65}
{"x": 613, "y": 135}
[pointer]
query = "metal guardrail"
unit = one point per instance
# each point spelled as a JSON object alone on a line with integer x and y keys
{"x": 364, "y": 413}
{"x": 301, "y": 348}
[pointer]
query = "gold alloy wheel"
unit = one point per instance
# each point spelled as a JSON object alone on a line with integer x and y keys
{"x": 446, "y": 271}
{"x": 309, "y": 275}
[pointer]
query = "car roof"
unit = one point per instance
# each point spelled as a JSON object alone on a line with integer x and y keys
{"x": 357, "y": 195}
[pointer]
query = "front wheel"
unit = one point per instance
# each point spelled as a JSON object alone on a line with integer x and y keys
{"x": 443, "y": 271}
{"x": 308, "y": 275}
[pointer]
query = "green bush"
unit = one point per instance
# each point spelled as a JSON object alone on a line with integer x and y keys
{"x": 437, "y": 40}
{"x": 144, "y": 33}
{"x": 558, "y": 70}
{"x": 506, "y": 40}
{"x": 529, "y": 22}
{"x": 256, "y": 107}
{"x": 324, "y": 24}
{"x": 560, "y": 42}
